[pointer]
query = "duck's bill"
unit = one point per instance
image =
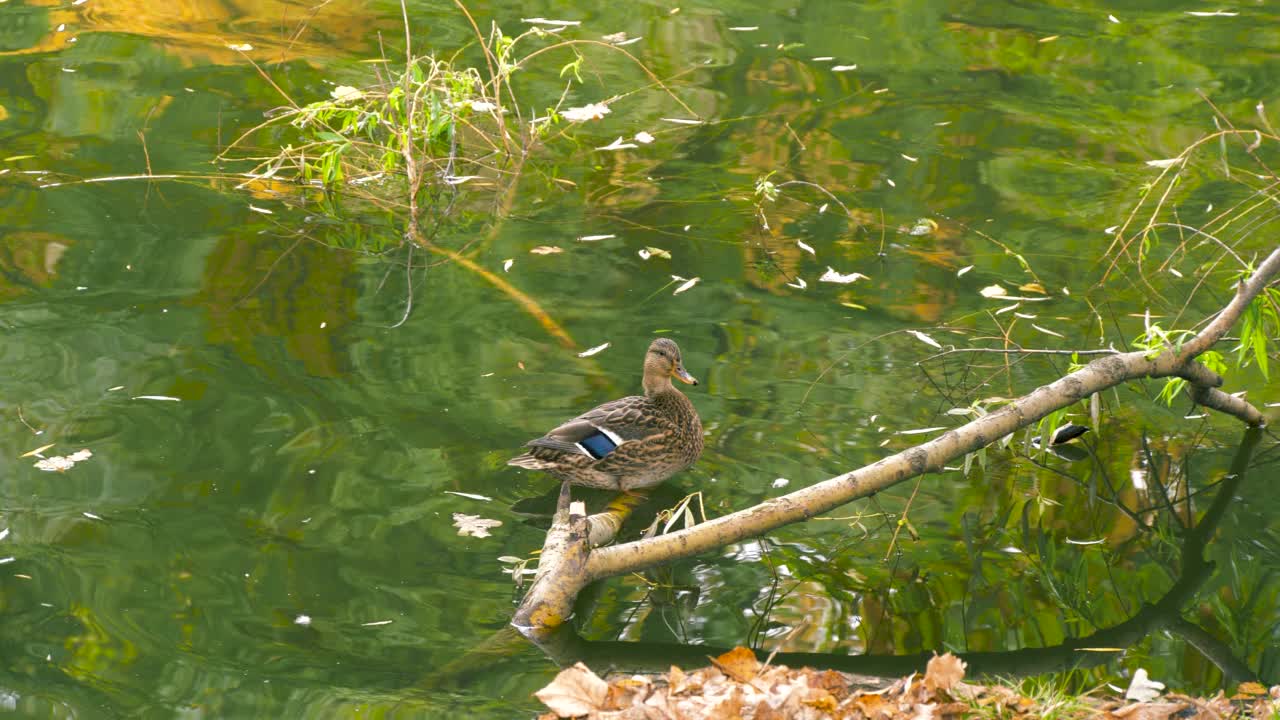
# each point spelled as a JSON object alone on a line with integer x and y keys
{"x": 683, "y": 376}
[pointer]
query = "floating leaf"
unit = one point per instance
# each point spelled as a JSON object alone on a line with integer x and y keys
{"x": 923, "y": 226}
{"x": 38, "y": 450}
{"x": 1033, "y": 287}
{"x": 993, "y": 291}
{"x": 618, "y": 145}
{"x": 546, "y": 250}
{"x": 346, "y": 94}
{"x": 687, "y": 284}
{"x": 832, "y": 276}
{"x": 594, "y": 111}
{"x": 592, "y": 351}
{"x": 554, "y": 23}
{"x": 651, "y": 251}
{"x": 474, "y": 525}
{"x": 924, "y": 338}
{"x": 58, "y": 463}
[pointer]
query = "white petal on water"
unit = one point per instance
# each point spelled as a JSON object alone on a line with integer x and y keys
{"x": 824, "y": 58}
{"x": 682, "y": 121}
{"x": 555, "y": 23}
{"x": 618, "y": 145}
{"x": 1164, "y": 163}
{"x": 506, "y": 264}
{"x": 156, "y": 397}
{"x": 799, "y": 284}
{"x": 781, "y": 483}
{"x": 459, "y": 179}
{"x": 257, "y": 209}
{"x": 4, "y": 533}
{"x": 924, "y": 338}
{"x": 745, "y": 28}
{"x": 645, "y": 254}
{"x": 908, "y": 158}
{"x": 806, "y": 247}
{"x": 643, "y": 137}
{"x": 90, "y": 515}
{"x": 1047, "y": 331}
{"x": 993, "y": 291}
{"x": 843, "y": 68}
{"x": 303, "y": 620}
{"x": 7, "y": 560}
{"x": 376, "y": 623}
{"x": 687, "y": 284}
{"x": 471, "y": 496}
{"x": 921, "y": 431}
{"x": 1099, "y": 541}
{"x": 891, "y": 182}
{"x": 1011, "y": 550}
{"x": 592, "y": 351}
{"x": 594, "y": 238}
{"x": 1111, "y": 230}
{"x": 1114, "y": 19}
{"x": 832, "y": 276}
{"x": 823, "y": 208}
{"x": 961, "y": 272}
{"x": 1214, "y": 13}
{"x": 1174, "y": 272}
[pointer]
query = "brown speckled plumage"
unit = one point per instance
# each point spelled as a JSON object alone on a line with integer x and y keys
{"x": 660, "y": 433}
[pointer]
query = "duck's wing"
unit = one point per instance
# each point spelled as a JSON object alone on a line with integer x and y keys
{"x": 600, "y": 430}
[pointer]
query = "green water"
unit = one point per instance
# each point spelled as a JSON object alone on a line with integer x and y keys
{"x": 276, "y": 433}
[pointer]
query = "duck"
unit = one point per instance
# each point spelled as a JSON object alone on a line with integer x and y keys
{"x": 629, "y": 444}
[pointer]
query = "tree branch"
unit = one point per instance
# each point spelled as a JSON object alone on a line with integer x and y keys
{"x": 587, "y": 566}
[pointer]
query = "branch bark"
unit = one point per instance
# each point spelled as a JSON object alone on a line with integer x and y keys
{"x": 591, "y": 565}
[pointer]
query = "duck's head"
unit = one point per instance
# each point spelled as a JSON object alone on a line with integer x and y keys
{"x": 661, "y": 363}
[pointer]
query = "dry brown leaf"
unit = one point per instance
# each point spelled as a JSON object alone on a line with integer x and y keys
{"x": 1033, "y": 287}
{"x": 1150, "y": 710}
{"x": 575, "y": 691}
{"x": 1251, "y": 688}
{"x": 943, "y": 672}
{"x": 739, "y": 663}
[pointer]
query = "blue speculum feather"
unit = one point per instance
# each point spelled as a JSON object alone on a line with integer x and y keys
{"x": 597, "y": 444}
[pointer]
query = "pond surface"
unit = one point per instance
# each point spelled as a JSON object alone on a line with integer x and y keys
{"x": 282, "y": 429}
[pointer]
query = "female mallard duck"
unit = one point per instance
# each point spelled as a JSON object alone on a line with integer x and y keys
{"x": 632, "y": 443}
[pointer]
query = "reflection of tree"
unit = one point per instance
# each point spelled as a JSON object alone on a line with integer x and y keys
{"x": 565, "y": 647}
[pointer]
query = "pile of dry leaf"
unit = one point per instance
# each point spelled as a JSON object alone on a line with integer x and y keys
{"x": 738, "y": 686}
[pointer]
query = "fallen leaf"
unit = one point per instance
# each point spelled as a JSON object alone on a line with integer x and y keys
{"x": 546, "y": 250}
{"x": 657, "y": 252}
{"x": 473, "y": 525}
{"x": 943, "y": 672}
{"x": 575, "y": 691}
{"x": 1033, "y": 287}
{"x": 593, "y": 351}
{"x": 1143, "y": 688}
{"x": 832, "y": 276}
{"x": 739, "y": 663}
